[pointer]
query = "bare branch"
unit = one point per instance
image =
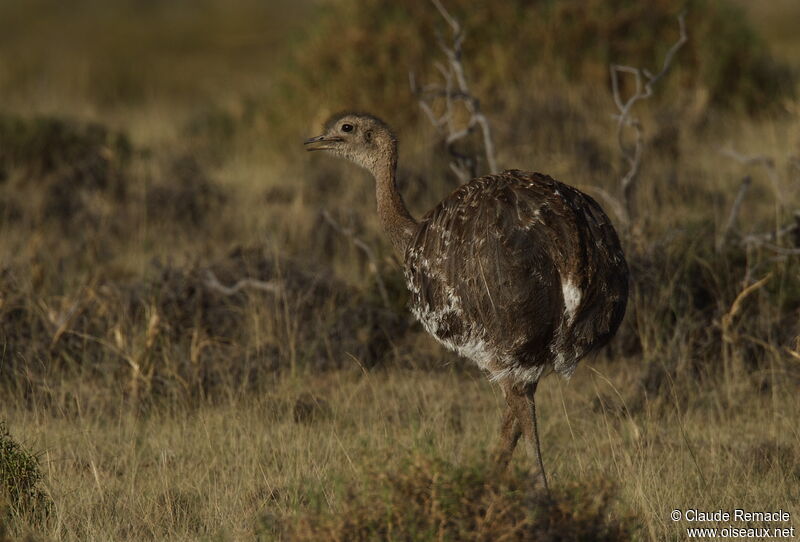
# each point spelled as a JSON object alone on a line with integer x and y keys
{"x": 633, "y": 153}
{"x": 772, "y": 173}
{"x": 748, "y": 159}
{"x": 366, "y": 249}
{"x": 767, "y": 240}
{"x": 759, "y": 238}
{"x": 456, "y": 89}
{"x": 757, "y": 160}
{"x": 452, "y": 21}
{"x": 782, "y": 250}
{"x": 737, "y": 204}
{"x": 273, "y": 287}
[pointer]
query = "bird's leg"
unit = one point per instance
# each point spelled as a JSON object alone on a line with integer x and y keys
{"x": 532, "y": 400}
{"x": 521, "y": 401}
{"x": 510, "y": 431}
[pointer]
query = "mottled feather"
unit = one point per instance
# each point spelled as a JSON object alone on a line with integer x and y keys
{"x": 520, "y": 273}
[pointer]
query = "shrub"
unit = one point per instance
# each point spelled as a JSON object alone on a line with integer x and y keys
{"x": 43, "y": 145}
{"x": 20, "y": 482}
{"x": 431, "y": 499}
{"x": 55, "y": 169}
{"x": 361, "y": 52}
{"x": 153, "y": 325}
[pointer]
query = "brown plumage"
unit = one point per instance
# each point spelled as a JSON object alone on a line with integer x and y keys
{"x": 518, "y": 272}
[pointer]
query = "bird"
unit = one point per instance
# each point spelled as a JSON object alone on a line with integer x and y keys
{"x": 516, "y": 271}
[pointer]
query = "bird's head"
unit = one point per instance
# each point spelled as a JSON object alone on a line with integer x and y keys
{"x": 358, "y": 137}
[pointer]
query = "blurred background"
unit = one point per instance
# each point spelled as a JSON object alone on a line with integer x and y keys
{"x": 171, "y": 258}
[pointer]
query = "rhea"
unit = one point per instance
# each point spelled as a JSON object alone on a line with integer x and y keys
{"x": 517, "y": 272}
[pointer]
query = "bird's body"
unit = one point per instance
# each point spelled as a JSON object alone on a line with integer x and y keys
{"x": 518, "y": 272}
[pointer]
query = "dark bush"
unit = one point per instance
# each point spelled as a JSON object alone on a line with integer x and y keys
{"x": 186, "y": 196}
{"x": 182, "y": 334}
{"x": 59, "y": 170}
{"x": 20, "y": 482}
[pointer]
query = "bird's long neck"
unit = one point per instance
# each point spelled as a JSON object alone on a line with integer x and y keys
{"x": 398, "y": 223}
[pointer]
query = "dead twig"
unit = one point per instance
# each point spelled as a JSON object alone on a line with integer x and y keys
{"x": 782, "y": 250}
{"x": 645, "y": 81}
{"x": 455, "y": 89}
{"x": 757, "y": 160}
{"x": 779, "y": 231}
{"x": 730, "y": 334}
{"x": 772, "y": 173}
{"x": 761, "y": 238}
{"x": 748, "y": 159}
{"x": 366, "y": 249}
{"x": 726, "y": 322}
{"x": 734, "y": 214}
{"x": 273, "y": 287}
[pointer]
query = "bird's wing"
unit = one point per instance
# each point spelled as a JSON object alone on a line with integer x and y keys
{"x": 587, "y": 251}
{"x": 483, "y": 247}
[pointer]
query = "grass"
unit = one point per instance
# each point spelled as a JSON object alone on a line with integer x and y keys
{"x": 165, "y": 408}
{"x": 245, "y": 468}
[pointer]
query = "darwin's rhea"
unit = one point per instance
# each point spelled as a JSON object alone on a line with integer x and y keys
{"x": 518, "y": 272}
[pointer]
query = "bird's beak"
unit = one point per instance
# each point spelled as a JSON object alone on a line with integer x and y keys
{"x": 321, "y": 143}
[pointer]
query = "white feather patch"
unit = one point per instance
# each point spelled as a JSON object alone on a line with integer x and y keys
{"x": 572, "y": 299}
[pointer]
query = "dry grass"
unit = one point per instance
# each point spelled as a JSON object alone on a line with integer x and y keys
{"x": 165, "y": 408}
{"x": 245, "y": 468}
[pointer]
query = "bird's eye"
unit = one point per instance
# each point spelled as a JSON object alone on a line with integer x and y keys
{"x": 347, "y": 127}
